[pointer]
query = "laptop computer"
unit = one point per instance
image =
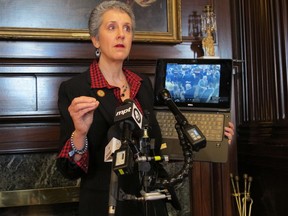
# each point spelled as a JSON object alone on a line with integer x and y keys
{"x": 201, "y": 89}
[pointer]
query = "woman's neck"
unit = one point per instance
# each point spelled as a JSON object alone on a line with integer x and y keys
{"x": 113, "y": 72}
{"x": 114, "y": 75}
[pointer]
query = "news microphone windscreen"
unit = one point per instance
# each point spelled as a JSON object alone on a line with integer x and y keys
{"x": 114, "y": 132}
{"x": 129, "y": 112}
{"x": 164, "y": 95}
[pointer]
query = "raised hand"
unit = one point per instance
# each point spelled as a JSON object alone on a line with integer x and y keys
{"x": 81, "y": 111}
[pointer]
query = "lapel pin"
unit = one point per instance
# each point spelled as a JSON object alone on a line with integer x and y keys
{"x": 100, "y": 93}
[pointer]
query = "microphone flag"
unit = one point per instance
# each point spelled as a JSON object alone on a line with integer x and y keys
{"x": 129, "y": 112}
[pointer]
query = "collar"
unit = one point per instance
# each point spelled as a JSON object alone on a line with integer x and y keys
{"x": 98, "y": 80}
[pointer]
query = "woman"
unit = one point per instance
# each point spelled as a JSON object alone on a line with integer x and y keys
{"x": 87, "y": 104}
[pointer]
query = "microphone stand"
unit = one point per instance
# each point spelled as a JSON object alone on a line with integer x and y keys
{"x": 188, "y": 159}
{"x": 144, "y": 147}
{"x": 158, "y": 193}
{"x": 113, "y": 193}
{"x": 157, "y": 189}
{"x": 114, "y": 189}
{"x": 143, "y": 157}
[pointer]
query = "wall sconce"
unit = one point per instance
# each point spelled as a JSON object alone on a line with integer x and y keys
{"x": 208, "y": 27}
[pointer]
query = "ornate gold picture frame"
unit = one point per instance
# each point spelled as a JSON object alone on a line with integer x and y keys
{"x": 67, "y": 20}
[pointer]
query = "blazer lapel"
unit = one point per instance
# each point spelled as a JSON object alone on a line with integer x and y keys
{"x": 108, "y": 103}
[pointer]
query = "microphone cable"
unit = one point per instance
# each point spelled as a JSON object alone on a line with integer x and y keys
{"x": 188, "y": 161}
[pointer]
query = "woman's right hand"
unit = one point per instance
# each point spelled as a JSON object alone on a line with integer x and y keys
{"x": 81, "y": 111}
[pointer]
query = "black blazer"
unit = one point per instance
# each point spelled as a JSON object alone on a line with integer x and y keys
{"x": 95, "y": 184}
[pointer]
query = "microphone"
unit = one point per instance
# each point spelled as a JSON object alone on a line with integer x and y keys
{"x": 191, "y": 132}
{"x": 129, "y": 113}
{"x": 129, "y": 118}
{"x": 166, "y": 96}
{"x": 159, "y": 158}
{"x": 112, "y": 146}
{"x": 113, "y": 193}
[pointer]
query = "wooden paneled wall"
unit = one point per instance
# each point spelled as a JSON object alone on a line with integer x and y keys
{"x": 30, "y": 73}
{"x": 261, "y": 41}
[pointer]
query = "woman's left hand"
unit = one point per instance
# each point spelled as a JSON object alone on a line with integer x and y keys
{"x": 229, "y": 132}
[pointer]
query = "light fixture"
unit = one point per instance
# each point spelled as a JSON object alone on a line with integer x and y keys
{"x": 208, "y": 28}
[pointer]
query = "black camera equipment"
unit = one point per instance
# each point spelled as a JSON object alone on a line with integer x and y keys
{"x": 140, "y": 151}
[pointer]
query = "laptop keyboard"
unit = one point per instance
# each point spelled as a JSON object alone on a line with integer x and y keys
{"x": 211, "y": 125}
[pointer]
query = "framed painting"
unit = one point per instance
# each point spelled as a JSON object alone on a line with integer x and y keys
{"x": 156, "y": 20}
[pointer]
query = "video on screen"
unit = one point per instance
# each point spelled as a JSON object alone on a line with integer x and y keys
{"x": 190, "y": 83}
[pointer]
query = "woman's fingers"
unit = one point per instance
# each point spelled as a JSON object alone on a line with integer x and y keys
{"x": 229, "y": 132}
{"x": 81, "y": 111}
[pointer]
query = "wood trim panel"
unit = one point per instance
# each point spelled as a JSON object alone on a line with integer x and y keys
{"x": 48, "y": 59}
{"x": 29, "y": 137}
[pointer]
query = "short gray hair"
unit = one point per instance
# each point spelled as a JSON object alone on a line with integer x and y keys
{"x": 96, "y": 16}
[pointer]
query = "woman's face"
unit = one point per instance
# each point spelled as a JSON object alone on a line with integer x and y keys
{"x": 115, "y": 35}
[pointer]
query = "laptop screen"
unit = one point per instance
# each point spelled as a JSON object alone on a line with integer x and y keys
{"x": 195, "y": 83}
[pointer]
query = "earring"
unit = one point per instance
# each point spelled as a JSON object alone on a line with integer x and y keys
{"x": 97, "y": 52}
